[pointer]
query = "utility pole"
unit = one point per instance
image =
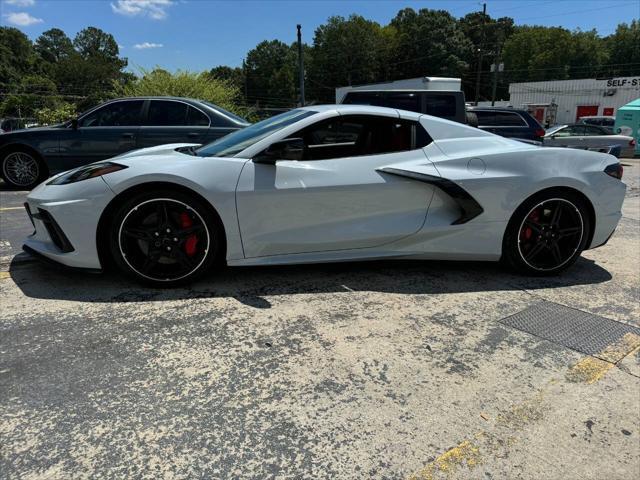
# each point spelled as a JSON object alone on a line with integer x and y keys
{"x": 496, "y": 68}
{"x": 244, "y": 74}
{"x": 484, "y": 14}
{"x": 300, "y": 65}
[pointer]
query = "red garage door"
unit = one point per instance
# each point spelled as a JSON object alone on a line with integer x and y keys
{"x": 586, "y": 111}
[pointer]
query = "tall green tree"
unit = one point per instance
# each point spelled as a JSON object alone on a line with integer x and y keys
{"x": 271, "y": 74}
{"x": 347, "y": 52}
{"x": 430, "y": 42}
{"x": 624, "y": 49}
{"x": 54, "y": 45}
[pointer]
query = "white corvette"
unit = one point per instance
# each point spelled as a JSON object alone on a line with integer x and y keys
{"x": 324, "y": 184}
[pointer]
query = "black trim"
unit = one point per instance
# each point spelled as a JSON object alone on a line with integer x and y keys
{"x": 50, "y": 261}
{"x": 468, "y": 205}
{"x": 58, "y": 237}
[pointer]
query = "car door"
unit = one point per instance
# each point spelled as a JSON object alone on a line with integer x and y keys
{"x": 333, "y": 198}
{"x": 595, "y": 136}
{"x": 172, "y": 121}
{"x": 102, "y": 133}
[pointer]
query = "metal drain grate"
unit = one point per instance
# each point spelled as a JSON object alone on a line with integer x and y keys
{"x": 581, "y": 331}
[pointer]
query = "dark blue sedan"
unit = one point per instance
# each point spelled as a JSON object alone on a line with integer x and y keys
{"x": 29, "y": 156}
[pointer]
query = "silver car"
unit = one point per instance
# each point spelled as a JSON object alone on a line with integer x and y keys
{"x": 587, "y": 137}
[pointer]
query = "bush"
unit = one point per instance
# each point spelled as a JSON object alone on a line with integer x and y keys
{"x": 52, "y": 115}
{"x": 200, "y": 86}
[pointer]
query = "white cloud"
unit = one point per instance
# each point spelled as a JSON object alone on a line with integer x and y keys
{"x": 156, "y": 9}
{"x": 146, "y": 45}
{"x": 21, "y": 3}
{"x": 22, "y": 19}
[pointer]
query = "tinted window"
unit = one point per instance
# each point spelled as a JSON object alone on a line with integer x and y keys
{"x": 593, "y": 131}
{"x": 485, "y": 119}
{"x": 509, "y": 119}
{"x": 443, "y": 106}
{"x": 363, "y": 98}
{"x": 116, "y": 114}
{"x": 404, "y": 101}
{"x": 356, "y": 135}
{"x": 196, "y": 118}
{"x": 166, "y": 114}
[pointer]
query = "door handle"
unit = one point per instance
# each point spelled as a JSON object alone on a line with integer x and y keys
{"x": 127, "y": 135}
{"x": 193, "y": 135}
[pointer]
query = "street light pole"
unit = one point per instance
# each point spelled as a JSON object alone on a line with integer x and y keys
{"x": 300, "y": 65}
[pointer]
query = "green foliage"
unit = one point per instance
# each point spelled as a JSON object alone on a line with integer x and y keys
{"x": 271, "y": 73}
{"x": 347, "y": 52}
{"x": 430, "y": 42}
{"x": 200, "y": 86}
{"x": 624, "y": 48}
{"x": 51, "y": 115}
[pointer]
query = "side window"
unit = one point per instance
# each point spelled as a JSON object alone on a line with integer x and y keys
{"x": 592, "y": 131}
{"x": 362, "y": 98}
{"x": 196, "y": 118}
{"x": 509, "y": 119}
{"x": 163, "y": 113}
{"x": 404, "y": 101}
{"x": 443, "y": 106}
{"x": 357, "y": 135}
{"x": 116, "y": 114}
{"x": 485, "y": 119}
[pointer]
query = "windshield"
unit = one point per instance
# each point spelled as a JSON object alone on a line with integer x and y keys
{"x": 554, "y": 129}
{"x": 241, "y": 139}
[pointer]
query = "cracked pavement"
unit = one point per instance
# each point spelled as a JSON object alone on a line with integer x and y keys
{"x": 382, "y": 370}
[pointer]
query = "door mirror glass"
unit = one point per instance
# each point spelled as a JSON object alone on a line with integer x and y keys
{"x": 287, "y": 149}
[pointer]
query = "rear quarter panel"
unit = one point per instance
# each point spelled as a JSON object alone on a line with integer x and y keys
{"x": 501, "y": 175}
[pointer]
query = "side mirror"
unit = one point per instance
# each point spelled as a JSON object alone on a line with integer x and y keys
{"x": 74, "y": 123}
{"x": 287, "y": 149}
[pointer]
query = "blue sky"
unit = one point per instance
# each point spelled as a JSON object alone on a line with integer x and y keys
{"x": 200, "y": 34}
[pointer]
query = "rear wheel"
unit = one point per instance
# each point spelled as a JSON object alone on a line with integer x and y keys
{"x": 22, "y": 169}
{"x": 547, "y": 233}
{"x": 164, "y": 239}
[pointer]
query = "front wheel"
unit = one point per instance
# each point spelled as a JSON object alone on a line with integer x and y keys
{"x": 22, "y": 169}
{"x": 547, "y": 233}
{"x": 164, "y": 239}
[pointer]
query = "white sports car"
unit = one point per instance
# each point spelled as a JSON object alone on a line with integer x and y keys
{"x": 325, "y": 184}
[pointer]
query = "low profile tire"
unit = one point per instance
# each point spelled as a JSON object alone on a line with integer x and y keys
{"x": 164, "y": 239}
{"x": 547, "y": 233}
{"x": 22, "y": 169}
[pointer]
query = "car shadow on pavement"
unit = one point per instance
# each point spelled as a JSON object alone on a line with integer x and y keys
{"x": 253, "y": 285}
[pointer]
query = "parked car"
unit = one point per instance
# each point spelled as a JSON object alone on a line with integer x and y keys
{"x": 588, "y": 137}
{"x": 327, "y": 184}
{"x": 601, "y": 121}
{"x": 29, "y": 156}
{"x": 507, "y": 122}
{"x": 443, "y": 104}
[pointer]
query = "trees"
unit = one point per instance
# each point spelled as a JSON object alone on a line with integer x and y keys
{"x": 270, "y": 70}
{"x": 183, "y": 84}
{"x": 624, "y": 49}
{"x": 346, "y": 52}
{"x": 54, "y": 46}
{"x": 430, "y": 42}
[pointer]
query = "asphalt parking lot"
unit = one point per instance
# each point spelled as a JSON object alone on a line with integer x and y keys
{"x": 381, "y": 370}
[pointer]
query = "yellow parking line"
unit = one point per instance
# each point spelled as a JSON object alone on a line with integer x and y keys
{"x": 465, "y": 454}
{"x": 591, "y": 369}
{"x": 2, "y": 209}
{"x": 4, "y": 275}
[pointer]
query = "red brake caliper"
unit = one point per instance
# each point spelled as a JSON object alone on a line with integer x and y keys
{"x": 192, "y": 240}
{"x": 527, "y": 232}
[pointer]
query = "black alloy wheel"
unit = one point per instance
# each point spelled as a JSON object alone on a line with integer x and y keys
{"x": 547, "y": 235}
{"x": 164, "y": 240}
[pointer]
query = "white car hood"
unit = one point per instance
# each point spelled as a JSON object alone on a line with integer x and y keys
{"x": 157, "y": 150}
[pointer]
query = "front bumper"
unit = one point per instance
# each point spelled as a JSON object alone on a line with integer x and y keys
{"x": 66, "y": 219}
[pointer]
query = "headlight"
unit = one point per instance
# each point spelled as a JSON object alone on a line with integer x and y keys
{"x": 86, "y": 172}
